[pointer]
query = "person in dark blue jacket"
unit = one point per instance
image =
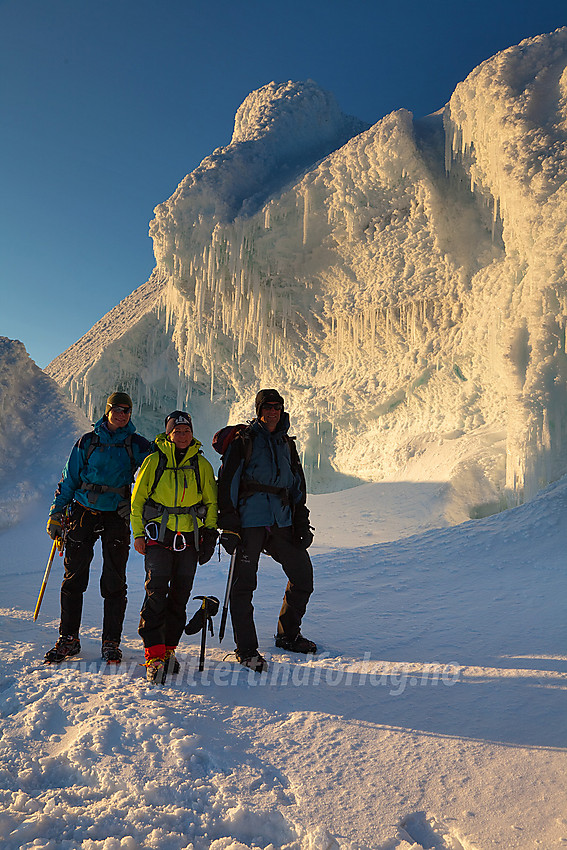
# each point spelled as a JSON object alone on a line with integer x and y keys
{"x": 262, "y": 508}
{"x": 94, "y": 492}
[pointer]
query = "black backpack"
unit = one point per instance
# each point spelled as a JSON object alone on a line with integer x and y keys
{"x": 243, "y": 432}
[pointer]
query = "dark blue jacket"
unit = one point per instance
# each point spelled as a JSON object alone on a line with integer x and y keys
{"x": 109, "y": 465}
{"x": 270, "y": 463}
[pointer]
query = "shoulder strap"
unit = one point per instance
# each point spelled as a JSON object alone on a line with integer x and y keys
{"x": 128, "y": 447}
{"x": 94, "y": 444}
{"x": 247, "y": 445}
{"x": 297, "y": 469}
{"x": 194, "y": 464}
{"x": 161, "y": 465}
{"x": 294, "y": 454}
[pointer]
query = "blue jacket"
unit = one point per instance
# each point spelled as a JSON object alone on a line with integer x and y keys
{"x": 270, "y": 464}
{"x": 109, "y": 465}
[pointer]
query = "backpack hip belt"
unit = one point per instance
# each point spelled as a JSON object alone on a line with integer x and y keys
{"x": 94, "y": 491}
{"x": 251, "y": 486}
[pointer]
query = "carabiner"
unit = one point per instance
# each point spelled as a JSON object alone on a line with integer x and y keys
{"x": 176, "y": 537}
{"x": 152, "y": 531}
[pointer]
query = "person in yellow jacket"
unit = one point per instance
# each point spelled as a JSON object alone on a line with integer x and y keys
{"x": 174, "y": 521}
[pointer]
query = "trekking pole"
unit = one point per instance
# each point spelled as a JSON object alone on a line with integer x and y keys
{"x": 203, "y": 635}
{"x": 56, "y": 545}
{"x": 227, "y": 596}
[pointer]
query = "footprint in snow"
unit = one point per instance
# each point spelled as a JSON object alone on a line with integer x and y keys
{"x": 428, "y": 833}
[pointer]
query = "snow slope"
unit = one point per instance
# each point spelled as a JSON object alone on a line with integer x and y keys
{"x": 38, "y": 423}
{"x": 433, "y": 715}
{"x": 403, "y": 285}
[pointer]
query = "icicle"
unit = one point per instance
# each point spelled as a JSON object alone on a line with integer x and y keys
{"x": 448, "y": 145}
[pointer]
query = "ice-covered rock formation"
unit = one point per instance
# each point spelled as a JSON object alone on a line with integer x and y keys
{"x": 506, "y": 128}
{"x": 38, "y": 426}
{"x": 403, "y": 285}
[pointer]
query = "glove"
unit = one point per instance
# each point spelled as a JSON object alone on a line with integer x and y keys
{"x": 207, "y": 543}
{"x": 195, "y": 624}
{"x": 123, "y": 509}
{"x": 229, "y": 540}
{"x": 54, "y": 527}
{"x": 304, "y": 536}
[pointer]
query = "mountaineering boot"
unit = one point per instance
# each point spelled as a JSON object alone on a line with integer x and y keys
{"x": 111, "y": 652}
{"x": 296, "y": 644}
{"x": 154, "y": 671}
{"x": 253, "y": 660}
{"x": 171, "y": 665}
{"x": 66, "y": 646}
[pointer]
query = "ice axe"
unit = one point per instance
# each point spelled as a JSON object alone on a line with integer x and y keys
{"x": 57, "y": 544}
{"x": 199, "y": 622}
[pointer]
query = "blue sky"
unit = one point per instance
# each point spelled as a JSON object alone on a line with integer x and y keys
{"x": 107, "y": 104}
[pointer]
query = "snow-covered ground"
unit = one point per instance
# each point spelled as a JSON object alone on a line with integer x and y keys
{"x": 432, "y": 717}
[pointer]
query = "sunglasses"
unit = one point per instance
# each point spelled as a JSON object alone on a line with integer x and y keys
{"x": 119, "y": 409}
{"x": 272, "y": 405}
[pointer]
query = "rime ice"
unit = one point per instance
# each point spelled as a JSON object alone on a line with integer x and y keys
{"x": 403, "y": 285}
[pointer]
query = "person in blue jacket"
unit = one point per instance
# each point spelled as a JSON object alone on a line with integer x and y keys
{"x": 94, "y": 493}
{"x": 262, "y": 508}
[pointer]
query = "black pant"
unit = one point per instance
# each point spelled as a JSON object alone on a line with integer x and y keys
{"x": 280, "y": 544}
{"x": 169, "y": 579}
{"x": 85, "y": 527}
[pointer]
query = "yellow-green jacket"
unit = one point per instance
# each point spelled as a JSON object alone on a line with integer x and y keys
{"x": 176, "y": 488}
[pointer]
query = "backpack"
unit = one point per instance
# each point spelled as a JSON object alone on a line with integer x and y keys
{"x": 96, "y": 489}
{"x": 95, "y": 443}
{"x": 225, "y": 436}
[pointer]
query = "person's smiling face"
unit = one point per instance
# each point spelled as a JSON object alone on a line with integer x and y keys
{"x": 270, "y": 414}
{"x": 181, "y": 436}
{"x": 118, "y": 416}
